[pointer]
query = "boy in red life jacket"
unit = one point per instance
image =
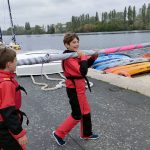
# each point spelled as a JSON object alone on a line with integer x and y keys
{"x": 75, "y": 70}
{"x": 12, "y": 135}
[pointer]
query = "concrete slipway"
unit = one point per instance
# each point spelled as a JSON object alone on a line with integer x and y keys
{"x": 121, "y": 117}
{"x": 139, "y": 84}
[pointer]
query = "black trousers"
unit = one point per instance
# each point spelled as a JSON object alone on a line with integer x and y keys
{"x": 7, "y": 142}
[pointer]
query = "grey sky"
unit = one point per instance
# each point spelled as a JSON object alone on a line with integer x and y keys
{"x": 43, "y": 12}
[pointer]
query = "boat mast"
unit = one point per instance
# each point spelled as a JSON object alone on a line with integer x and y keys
{"x": 1, "y": 37}
{"x": 12, "y": 25}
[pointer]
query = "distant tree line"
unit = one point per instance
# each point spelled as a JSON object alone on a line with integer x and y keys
{"x": 128, "y": 19}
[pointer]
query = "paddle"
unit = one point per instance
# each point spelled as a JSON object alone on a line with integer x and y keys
{"x": 54, "y": 57}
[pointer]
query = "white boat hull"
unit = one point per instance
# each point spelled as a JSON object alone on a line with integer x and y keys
{"x": 37, "y": 69}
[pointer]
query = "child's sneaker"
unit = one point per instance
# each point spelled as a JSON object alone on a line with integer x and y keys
{"x": 59, "y": 140}
{"x": 92, "y": 137}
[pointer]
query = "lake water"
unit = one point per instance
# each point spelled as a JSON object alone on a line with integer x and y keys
{"x": 87, "y": 41}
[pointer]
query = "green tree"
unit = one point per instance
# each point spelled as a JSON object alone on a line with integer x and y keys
{"x": 51, "y": 29}
{"x": 144, "y": 14}
{"x": 19, "y": 29}
{"x": 38, "y": 30}
{"x": 96, "y": 17}
{"x": 148, "y": 15}
{"x": 130, "y": 16}
{"x": 134, "y": 16}
{"x": 114, "y": 15}
{"x": 59, "y": 28}
{"x": 105, "y": 17}
{"x": 110, "y": 21}
{"x": 125, "y": 15}
{"x": 87, "y": 18}
{"x": 27, "y": 26}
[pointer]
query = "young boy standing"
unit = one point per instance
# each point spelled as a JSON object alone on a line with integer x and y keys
{"x": 75, "y": 70}
{"x": 12, "y": 135}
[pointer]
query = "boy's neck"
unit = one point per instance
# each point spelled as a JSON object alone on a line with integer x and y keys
{"x": 7, "y": 70}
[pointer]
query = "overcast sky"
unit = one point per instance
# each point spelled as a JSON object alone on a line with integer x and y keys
{"x": 44, "y": 12}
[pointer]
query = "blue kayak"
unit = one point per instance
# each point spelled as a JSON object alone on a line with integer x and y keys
{"x": 120, "y": 62}
{"x": 107, "y": 57}
{"x": 105, "y": 61}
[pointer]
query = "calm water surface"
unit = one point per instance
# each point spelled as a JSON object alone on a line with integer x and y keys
{"x": 87, "y": 41}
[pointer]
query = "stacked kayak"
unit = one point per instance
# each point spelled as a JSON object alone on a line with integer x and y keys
{"x": 122, "y": 64}
{"x": 119, "y": 62}
{"x": 146, "y": 55}
{"x": 130, "y": 70}
{"x": 107, "y": 60}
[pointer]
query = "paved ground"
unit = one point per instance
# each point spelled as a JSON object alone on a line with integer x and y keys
{"x": 120, "y": 116}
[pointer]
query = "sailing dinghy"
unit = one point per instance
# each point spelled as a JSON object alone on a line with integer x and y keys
{"x": 41, "y": 68}
{"x": 13, "y": 44}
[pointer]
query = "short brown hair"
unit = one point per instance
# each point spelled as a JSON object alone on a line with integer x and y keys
{"x": 7, "y": 54}
{"x": 69, "y": 37}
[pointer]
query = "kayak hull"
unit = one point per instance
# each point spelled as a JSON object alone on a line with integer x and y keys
{"x": 130, "y": 70}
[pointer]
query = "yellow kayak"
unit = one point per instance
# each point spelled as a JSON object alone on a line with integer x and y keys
{"x": 130, "y": 70}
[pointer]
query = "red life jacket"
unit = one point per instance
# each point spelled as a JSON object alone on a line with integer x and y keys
{"x": 71, "y": 68}
{"x": 18, "y": 92}
{"x": 6, "y": 77}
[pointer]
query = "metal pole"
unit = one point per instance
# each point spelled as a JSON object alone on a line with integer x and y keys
{"x": 48, "y": 57}
{"x": 12, "y": 25}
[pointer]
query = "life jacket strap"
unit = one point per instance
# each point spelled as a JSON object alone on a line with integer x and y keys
{"x": 74, "y": 77}
{"x": 21, "y": 88}
{"x": 23, "y": 114}
{"x": 17, "y": 88}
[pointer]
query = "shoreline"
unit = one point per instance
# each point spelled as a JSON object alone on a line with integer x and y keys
{"x": 140, "y": 84}
{"x": 89, "y": 33}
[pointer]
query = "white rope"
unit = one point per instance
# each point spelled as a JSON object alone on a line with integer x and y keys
{"x": 45, "y": 85}
{"x": 61, "y": 83}
{"x": 53, "y": 79}
{"x": 62, "y": 75}
{"x": 58, "y": 86}
{"x": 37, "y": 83}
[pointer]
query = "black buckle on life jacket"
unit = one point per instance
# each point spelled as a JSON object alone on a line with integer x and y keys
{"x": 21, "y": 88}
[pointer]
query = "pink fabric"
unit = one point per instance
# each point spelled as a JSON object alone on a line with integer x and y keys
{"x": 123, "y": 48}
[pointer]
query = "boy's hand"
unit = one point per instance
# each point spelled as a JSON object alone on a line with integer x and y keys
{"x": 80, "y": 53}
{"x": 23, "y": 140}
{"x": 96, "y": 52}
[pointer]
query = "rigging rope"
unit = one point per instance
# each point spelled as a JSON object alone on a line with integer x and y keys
{"x": 44, "y": 86}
